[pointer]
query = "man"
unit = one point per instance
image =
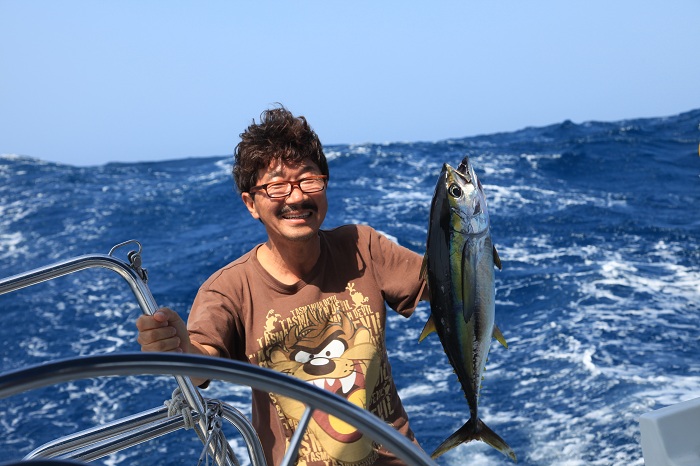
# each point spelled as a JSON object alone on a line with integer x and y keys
{"x": 307, "y": 302}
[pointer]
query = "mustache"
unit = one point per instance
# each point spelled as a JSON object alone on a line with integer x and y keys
{"x": 288, "y": 209}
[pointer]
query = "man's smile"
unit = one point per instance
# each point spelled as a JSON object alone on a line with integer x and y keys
{"x": 301, "y": 212}
{"x": 296, "y": 216}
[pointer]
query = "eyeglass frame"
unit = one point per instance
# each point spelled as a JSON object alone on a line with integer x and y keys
{"x": 292, "y": 185}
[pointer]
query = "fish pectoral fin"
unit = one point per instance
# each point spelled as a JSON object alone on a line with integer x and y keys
{"x": 428, "y": 329}
{"x": 424, "y": 268}
{"x": 496, "y": 259}
{"x": 423, "y": 275}
{"x": 499, "y": 336}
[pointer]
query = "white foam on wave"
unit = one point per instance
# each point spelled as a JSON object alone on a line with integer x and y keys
{"x": 665, "y": 280}
{"x": 18, "y": 157}
{"x": 558, "y": 437}
{"x": 498, "y": 197}
{"x": 539, "y": 250}
{"x": 506, "y": 199}
{"x": 433, "y": 380}
{"x": 534, "y": 159}
{"x": 16, "y": 211}
{"x": 221, "y": 172}
{"x": 596, "y": 337}
{"x": 476, "y": 454}
{"x": 406, "y": 197}
{"x": 394, "y": 207}
{"x": 566, "y": 363}
{"x": 90, "y": 228}
{"x": 333, "y": 154}
{"x": 10, "y": 243}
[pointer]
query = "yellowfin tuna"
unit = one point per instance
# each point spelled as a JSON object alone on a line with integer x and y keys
{"x": 459, "y": 267}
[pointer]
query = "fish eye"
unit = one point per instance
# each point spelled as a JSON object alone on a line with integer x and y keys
{"x": 454, "y": 191}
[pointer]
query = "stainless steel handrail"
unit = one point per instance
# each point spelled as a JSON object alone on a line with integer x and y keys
{"x": 62, "y": 445}
{"x": 250, "y": 436}
{"x": 114, "y": 443}
{"x": 227, "y": 370}
{"x": 106, "y": 439}
{"x": 139, "y": 289}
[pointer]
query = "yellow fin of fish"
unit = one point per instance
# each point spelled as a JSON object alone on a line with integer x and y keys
{"x": 424, "y": 268}
{"x": 428, "y": 329}
{"x": 499, "y": 336}
{"x": 496, "y": 259}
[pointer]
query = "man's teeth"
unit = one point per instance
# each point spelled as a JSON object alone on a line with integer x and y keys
{"x": 293, "y": 216}
{"x": 346, "y": 383}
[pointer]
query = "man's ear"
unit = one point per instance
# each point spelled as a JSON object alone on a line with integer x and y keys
{"x": 249, "y": 202}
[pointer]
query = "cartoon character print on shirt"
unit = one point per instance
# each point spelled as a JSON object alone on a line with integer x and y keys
{"x": 333, "y": 353}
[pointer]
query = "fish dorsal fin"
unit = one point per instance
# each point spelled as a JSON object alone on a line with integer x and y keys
{"x": 428, "y": 329}
{"x": 496, "y": 259}
{"x": 499, "y": 336}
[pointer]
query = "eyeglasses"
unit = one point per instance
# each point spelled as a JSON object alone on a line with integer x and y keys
{"x": 278, "y": 189}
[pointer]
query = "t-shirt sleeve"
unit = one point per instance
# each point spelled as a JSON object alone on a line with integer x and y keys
{"x": 213, "y": 321}
{"x": 397, "y": 271}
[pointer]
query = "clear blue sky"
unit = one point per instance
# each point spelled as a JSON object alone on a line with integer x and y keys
{"x": 87, "y": 82}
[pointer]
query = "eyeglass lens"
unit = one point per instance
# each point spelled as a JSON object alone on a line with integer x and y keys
{"x": 284, "y": 188}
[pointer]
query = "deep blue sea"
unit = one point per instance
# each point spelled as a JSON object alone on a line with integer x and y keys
{"x": 597, "y": 225}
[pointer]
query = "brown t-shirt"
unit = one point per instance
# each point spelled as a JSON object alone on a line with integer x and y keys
{"x": 327, "y": 329}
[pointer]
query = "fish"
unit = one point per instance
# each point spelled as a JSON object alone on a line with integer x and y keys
{"x": 459, "y": 269}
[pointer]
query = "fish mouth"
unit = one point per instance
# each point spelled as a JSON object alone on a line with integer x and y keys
{"x": 467, "y": 169}
{"x": 462, "y": 173}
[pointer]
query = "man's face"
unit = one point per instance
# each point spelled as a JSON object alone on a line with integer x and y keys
{"x": 296, "y": 217}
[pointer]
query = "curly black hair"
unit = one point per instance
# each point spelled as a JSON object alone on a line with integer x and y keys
{"x": 280, "y": 136}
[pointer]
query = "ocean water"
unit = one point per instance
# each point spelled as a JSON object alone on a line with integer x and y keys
{"x": 597, "y": 225}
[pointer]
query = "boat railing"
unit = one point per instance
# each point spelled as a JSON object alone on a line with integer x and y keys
{"x": 201, "y": 414}
{"x": 136, "y": 277}
{"x": 112, "y": 437}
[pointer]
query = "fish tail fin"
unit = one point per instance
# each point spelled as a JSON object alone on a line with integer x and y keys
{"x": 493, "y": 439}
{"x": 475, "y": 431}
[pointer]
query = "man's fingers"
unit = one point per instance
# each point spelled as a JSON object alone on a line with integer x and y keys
{"x": 145, "y": 323}
{"x": 162, "y": 318}
{"x": 169, "y": 345}
{"x": 163, "y": 331}
{"x": 167, "y": 315}
{"x": 148, "y": 336}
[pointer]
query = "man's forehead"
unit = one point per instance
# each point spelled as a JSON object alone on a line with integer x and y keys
{"x": 282, "y": 167}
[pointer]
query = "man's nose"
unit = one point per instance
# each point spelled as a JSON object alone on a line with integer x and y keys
{"x": 296, "y": 193}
